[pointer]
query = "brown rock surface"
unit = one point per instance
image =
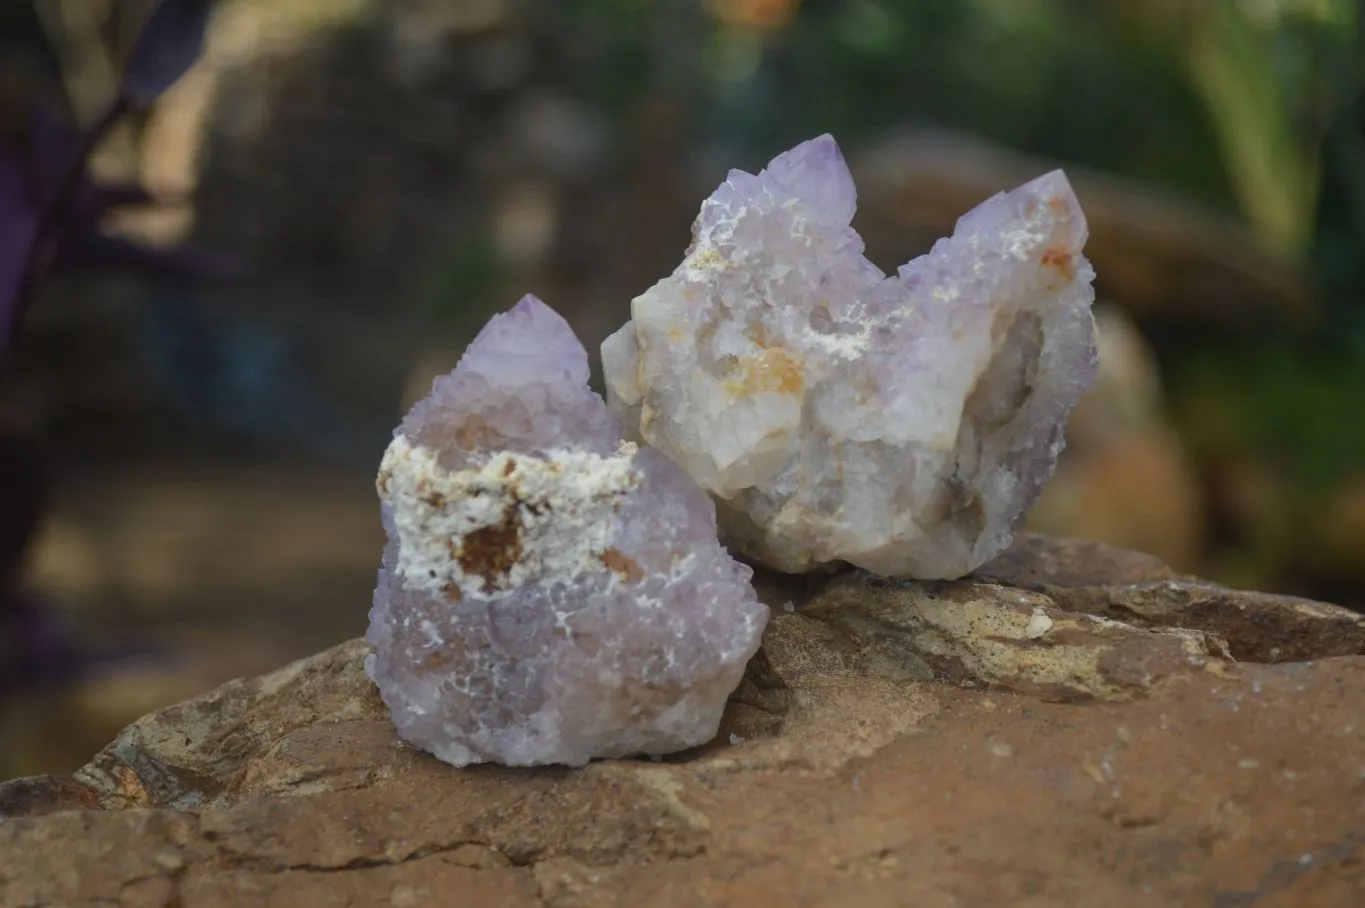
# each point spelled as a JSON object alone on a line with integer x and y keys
{"x": 976, "y": 743}
{"x": 1136, "y": 588}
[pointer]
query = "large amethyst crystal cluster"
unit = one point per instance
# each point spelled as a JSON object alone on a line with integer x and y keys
{"x": 900, "y": 423}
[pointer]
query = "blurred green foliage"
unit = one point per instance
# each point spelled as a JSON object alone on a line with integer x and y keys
{"x": 1272, "y": 75}
{"x": 1226, "y": 101}
{"x": 1297, "y": 410}
{"x": 1255, "y": 107}
{"x": 1057, "y": 78}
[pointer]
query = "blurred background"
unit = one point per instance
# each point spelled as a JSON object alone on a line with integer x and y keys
{"x": 393, "y": 171}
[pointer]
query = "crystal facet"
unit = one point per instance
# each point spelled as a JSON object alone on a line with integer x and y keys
{"x": 549, "y": 593}
{"x": 902, "y": 424}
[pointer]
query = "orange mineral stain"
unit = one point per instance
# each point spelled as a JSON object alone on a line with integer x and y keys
{"x": 774, "y": 371}
{"x": 1059, "y": 258}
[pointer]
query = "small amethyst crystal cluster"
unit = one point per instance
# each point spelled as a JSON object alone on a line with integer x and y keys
{"x": 553, "y": 593}
{"x": 549, "y": 593}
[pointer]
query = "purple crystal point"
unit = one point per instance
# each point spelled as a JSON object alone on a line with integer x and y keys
{"x": 548, "y": 594}
{"x": 522, "y": 385}
{"x": 815, "y": 173}
{"x": 529, "y": 342}
{"x": 902, "y": 424}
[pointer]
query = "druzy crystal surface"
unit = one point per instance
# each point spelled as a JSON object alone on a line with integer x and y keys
{"x": 900, "y": 423}
{"x": 549, "y": 593}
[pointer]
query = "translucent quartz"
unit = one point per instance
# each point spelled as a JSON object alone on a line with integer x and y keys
{"x": 549, "y": 593}
{"x": 902, "y": 424}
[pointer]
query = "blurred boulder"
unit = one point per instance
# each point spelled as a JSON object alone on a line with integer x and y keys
{"x": 1155, "y": 254}
{"x": 1125, "y": 478}
{"x": 1335, "y": 549}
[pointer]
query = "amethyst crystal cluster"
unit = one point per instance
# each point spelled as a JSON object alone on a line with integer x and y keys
{"x": 553, "y": 593}
{"x": 549, "y": 593}
{"x": 902, "y": 424}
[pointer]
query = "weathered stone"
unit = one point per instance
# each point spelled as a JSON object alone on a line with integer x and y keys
{"x": 44, "y": 794}
{"x": 999, "y": 637}
{"x": 191, "y": 753}
{"x": 1128, "y": 586}
{"x": 839, "y": 777}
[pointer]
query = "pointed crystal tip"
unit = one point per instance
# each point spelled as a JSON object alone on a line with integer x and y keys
{"x": 530, "y": 342}
{"x": 815, "y": 172}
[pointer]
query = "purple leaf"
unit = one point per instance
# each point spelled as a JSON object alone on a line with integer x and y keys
{"x": 53, "y": 142}
{"x": 171, "y": 40}
{"x": 18, "y": 224}
{"x": 50, "y": 211}
{"x": 24, "y": 492}
{"x": 37, "y": 650}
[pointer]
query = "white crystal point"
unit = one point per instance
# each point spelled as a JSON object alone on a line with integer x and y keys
{"x": 548, "y": 594}
{"x": 902, "y": 424}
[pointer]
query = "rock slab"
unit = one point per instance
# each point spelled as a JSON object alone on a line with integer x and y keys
{"x": 1073, "y": 725}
